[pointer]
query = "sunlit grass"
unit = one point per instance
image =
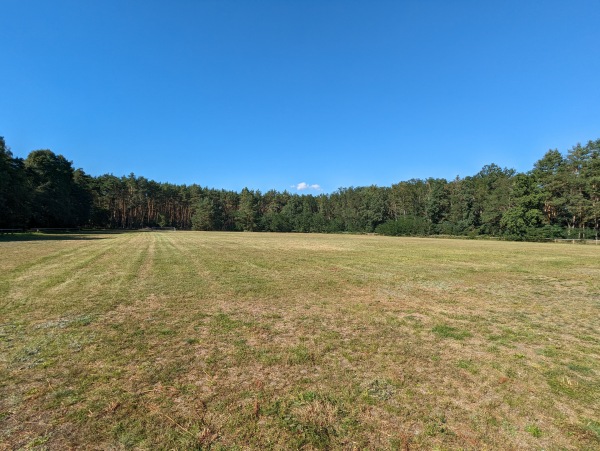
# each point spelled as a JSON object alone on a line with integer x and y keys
{"x": 224, "y": 340}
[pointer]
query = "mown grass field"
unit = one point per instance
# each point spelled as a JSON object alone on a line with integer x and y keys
{"x": 183, "y": 340}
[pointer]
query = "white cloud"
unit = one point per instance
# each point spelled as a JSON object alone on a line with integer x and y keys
{"x": 303, "y": 185}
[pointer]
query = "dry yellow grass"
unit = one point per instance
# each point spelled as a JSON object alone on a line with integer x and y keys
{"x": 270, "y": 341}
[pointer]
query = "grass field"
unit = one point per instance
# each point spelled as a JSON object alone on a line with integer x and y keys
{"x": 183, "y": 340}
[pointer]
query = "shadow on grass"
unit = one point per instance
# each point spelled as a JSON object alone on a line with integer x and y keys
{"x": 59, "y": 236}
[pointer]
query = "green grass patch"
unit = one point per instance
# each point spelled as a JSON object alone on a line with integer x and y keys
{"x": 534, "y": 430}
{"x": 446, "y": 331}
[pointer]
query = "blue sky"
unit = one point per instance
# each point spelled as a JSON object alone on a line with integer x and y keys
{"x": 270, "y": 94}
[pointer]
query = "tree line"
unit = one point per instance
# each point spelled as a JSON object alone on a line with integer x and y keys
{"x": 558, "y": 197}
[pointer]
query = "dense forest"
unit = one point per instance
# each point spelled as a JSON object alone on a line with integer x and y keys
{"x": 559, "y": 197}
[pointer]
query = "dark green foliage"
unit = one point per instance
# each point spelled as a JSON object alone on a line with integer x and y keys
{"x": 14, "y": 190}
{"x": 438, "y": 202}
{"x": 493, "y": 187}
{"x": 559, "y": 198}
{"x": 247, "y": 213}
{"x": 205, "y": 217}
{"x": 57, "y": 198}
{"x": 404, "y": 226}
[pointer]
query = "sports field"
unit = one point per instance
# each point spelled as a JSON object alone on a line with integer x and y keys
{"x": 183, "y": 340}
